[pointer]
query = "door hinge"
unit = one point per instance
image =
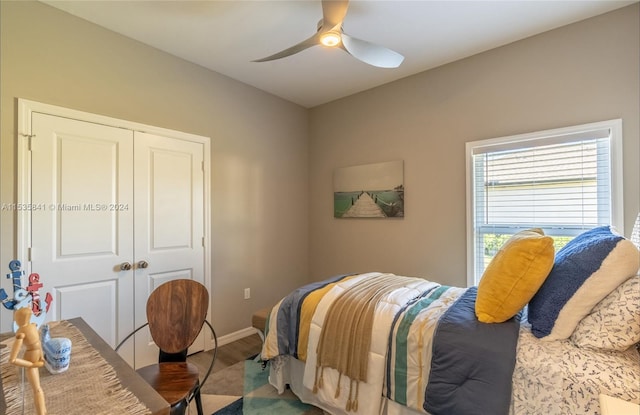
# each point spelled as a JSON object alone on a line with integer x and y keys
{"x": 28, "y": 137}
{"x": 203, "y": 245}
{"x": 29, "y": 254}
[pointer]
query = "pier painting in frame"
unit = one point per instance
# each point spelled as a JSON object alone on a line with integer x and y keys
{"x": 369, "y": 191}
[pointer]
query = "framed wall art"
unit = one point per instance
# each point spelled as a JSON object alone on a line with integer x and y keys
{"x": 369, "y": 191}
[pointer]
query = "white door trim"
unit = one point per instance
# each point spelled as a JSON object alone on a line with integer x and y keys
{"x": 25, "y": 110}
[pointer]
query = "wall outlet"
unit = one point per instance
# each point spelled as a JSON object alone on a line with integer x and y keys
{"x": 247, "y": 293}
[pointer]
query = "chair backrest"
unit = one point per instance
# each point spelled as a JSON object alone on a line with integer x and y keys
{"x": 176, "y": 311}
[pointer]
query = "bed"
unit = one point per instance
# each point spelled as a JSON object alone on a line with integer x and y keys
{"x": 379, "y": 343}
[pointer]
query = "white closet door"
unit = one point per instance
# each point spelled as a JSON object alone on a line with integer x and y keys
{"x": 81, "y": 235}
{"x": 169, "y": 223}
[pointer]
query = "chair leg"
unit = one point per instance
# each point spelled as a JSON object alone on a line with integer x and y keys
{"x": 180, "y": 408}
{"x": 199, "y": 403}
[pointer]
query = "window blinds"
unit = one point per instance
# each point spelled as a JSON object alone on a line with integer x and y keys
{"x": 560, "y": 183}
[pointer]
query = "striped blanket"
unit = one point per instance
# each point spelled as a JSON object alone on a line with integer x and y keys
{"x": 427, "y": 351}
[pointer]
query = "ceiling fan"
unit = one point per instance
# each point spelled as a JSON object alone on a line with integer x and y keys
{"x": 330, "y": 34}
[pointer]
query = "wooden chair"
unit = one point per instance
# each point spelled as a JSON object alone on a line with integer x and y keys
{"x": 176, "y": 312}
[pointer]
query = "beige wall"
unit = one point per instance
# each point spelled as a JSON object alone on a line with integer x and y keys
{"x": 259, "y": 143}
{"x": 581, "y": 73}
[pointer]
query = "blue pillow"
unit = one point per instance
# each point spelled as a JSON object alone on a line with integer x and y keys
{"x": 585, "y": 271}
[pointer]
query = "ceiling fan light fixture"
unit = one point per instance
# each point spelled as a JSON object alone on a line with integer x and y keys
{"x": 330, "y": 38}
{"x": 330, "y": 34}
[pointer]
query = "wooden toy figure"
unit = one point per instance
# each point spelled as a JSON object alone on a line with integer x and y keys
{"x": 33, "y": 358}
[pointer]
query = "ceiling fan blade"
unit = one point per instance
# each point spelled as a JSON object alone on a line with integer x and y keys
{"x": 370, "y": 53}
{"x": 333, "y": 12}
{"x": 305, "y": 44}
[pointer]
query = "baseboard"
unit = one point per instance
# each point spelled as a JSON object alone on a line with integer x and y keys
{"x": 236, "y": 335}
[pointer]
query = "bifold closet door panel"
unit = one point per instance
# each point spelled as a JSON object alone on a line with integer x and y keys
{"x": 169, "y": 223}
{"x": 82, "y": 221}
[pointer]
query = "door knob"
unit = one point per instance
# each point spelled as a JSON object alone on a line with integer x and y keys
{"x": 143, "y": 264}
{"x": 125, "y": 266}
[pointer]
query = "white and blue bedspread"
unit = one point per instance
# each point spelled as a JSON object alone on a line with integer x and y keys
{"x": 428, "y": 350}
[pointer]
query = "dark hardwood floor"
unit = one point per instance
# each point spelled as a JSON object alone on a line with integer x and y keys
{"x": 229, "y": 354}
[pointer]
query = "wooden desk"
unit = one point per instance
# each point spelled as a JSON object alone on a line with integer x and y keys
{"x": 128, "y": 378}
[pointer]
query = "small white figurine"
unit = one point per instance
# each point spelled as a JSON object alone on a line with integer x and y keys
{"x": 57, "y": 351}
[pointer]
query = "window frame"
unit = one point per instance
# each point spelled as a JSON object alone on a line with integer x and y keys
{"x": 494, "y": 144}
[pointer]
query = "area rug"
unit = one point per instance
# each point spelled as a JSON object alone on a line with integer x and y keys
{"x": 246, "y": 389}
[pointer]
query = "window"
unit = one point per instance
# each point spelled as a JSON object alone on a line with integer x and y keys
{"x": 564, "y": 181}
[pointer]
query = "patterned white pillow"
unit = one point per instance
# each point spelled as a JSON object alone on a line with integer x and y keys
{"x": 614, "y": 323}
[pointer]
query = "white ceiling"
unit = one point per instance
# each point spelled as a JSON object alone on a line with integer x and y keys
{"x": 225, "y": 36}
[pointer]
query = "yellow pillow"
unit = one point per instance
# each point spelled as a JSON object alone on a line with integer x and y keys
{"x": 514, "y": 275}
